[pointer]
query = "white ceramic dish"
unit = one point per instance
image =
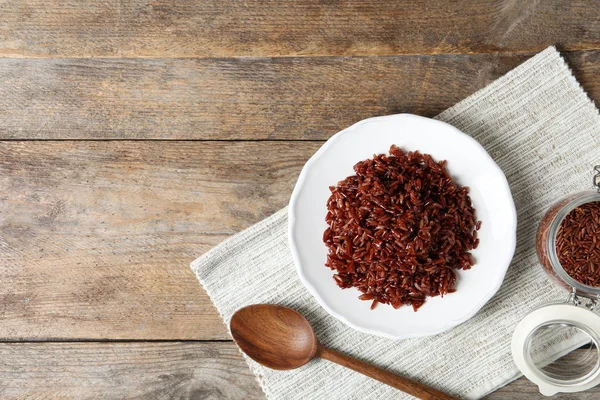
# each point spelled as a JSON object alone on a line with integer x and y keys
{"x": 468, "y": 163}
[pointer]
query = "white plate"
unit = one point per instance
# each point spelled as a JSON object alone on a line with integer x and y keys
{"x": 468, "y": 164}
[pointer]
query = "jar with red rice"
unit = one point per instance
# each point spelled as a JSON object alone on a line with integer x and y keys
{"x": 569, "y": 229}
{"x": 568, "y": 248}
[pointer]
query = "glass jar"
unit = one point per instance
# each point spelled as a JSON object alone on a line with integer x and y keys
{"x": 564, "y": 326}
{"x": 546, "y": 241}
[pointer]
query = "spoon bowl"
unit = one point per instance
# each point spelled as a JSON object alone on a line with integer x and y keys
{"x": 281, "y": 338}
{"x": 274, "y": 336}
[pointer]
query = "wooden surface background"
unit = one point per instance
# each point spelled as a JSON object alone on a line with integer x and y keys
{"x": 136, "y": 135}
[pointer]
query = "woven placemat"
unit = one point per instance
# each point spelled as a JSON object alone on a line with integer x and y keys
{"x": 544, "y": 132}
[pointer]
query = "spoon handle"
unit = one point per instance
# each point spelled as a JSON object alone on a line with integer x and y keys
{"x": 406, "y": 385}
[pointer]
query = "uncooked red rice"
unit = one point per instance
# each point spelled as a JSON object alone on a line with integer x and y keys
{"x": 399, "y": 229}
{"x": 578, "y": 244}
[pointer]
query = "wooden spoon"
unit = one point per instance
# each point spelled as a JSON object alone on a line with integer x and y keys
{"x": 281, "y": 338}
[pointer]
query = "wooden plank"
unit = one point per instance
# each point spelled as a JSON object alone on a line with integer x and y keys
{"x": 290, "y": 98}
{"x": 125, "y": 371}
{"x": 226, "y": 28}
{"x": 96, "y": 237}
{"x": 172, "y": 370}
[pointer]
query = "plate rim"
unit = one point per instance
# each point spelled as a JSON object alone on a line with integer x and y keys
{"x": 313, "y": 291}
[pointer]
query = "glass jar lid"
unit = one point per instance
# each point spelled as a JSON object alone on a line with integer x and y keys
{"x": 543, "y": 338}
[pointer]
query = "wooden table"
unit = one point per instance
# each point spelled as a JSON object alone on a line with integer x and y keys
{"x": 136, "y": 135}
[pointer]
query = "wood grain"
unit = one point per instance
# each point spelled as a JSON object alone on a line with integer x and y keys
{"x": 173, "y": 370}
{"x": 229, "y": 28}
{"x": 125, "y": 371}
{"x": 290, "y": 98}
{"x": 96, "y": 237}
